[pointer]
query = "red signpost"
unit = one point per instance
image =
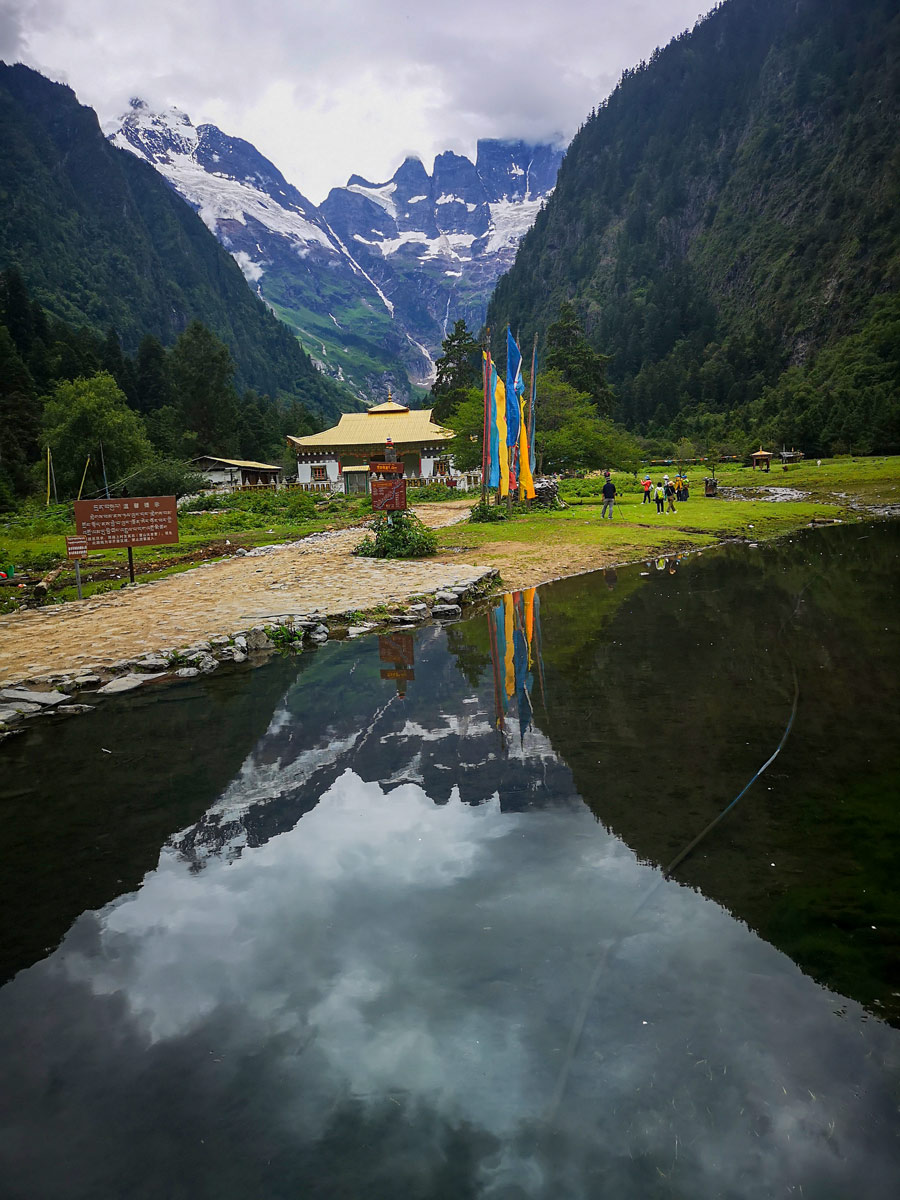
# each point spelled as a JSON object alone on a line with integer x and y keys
{"x": 127, "y": 521}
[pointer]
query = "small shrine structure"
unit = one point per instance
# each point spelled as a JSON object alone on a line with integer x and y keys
{"x": 762, "y": 459}
{"x": 337, "y": 459}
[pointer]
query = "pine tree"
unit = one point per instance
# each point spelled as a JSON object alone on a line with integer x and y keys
{"x": 569, "y": 352}
{"x": 202, "y": 370}
{"x": 458, "y": 369}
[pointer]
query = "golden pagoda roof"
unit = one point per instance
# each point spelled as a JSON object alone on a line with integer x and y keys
{"x": 404, "y": 426}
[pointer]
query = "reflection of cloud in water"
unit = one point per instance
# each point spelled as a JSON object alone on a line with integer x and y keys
{"x": 388, "y": 951}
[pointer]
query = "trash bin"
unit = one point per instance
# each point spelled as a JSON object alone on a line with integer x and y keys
{"x": 711, "y": 487}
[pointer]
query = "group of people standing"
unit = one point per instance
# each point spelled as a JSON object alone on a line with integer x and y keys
{"x": 666, "y": 491}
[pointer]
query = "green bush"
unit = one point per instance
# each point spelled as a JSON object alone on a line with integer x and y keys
{"x": 399, "y": 535}
{"x": 165, "y": 477}
{"x": 433, "y": 491}
{"x": 280, "y": 505}
{"x": 488, "y": 512}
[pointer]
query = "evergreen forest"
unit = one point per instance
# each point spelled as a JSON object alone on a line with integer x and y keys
{"x": 726, "y": 228}
{"x": 122, "y": 419}
{"x": 103, "y": 242}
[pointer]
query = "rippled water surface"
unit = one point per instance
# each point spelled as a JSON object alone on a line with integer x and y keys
{"x": 390, "y": 918}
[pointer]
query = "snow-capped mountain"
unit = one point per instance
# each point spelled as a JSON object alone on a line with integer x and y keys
{"x": 371, "y": 279}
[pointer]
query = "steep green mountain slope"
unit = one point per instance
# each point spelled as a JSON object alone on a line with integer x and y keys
{"x": 729, "y": 212}
{"x": 102, "y": 240}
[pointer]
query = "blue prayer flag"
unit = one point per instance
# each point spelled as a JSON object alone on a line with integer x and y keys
{"x": 514, "y": 389}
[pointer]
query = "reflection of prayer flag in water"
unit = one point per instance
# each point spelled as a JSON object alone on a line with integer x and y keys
{"x": 523, "y": 682}
{"x": 528, "y": 599}
{"x": 509, "y": 646}
{"x": 499, "y": 648}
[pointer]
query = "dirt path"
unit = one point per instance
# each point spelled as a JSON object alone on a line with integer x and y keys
{"x": 318, "y": 574}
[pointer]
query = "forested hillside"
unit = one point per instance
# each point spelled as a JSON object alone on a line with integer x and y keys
{"x": 108, "y": 417}
{"x": 102, "y": 240}
{"x": 727, "y": 225}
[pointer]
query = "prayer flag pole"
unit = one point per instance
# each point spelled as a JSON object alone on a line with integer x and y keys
{"x": 485, "y": 454}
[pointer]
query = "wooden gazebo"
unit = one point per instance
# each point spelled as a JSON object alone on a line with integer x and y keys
{"x": 762, "y": 459}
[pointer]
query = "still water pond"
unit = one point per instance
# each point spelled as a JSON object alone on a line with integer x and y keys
{"x": 390, "y": 919}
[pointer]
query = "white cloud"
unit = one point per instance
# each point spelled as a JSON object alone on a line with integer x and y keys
{"x": 326, "y": 90}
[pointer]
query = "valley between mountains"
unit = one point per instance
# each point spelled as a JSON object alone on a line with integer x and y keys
{"x": 371, "y": 279}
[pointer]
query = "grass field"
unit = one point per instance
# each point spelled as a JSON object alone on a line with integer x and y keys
{"x": 542, "y": 543}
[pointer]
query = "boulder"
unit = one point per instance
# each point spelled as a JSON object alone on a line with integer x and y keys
{"x": 8, "y": 715}
{"x": 42, "y": 699}
{"x": 125, "y": 683}
{"x": 206, "y": 663}
{"x": 358, "y": 630}
{"x": 318, "y": 637}
{"x": 72, "y": 710}
{"x": 443, "y": 611}
{"x": 446, "y": 597}
{"x": 187, "y": 672}
{"x": 257, "y": 638}
{"x": 240, "y": 644}
{"x": 150, "y": 663}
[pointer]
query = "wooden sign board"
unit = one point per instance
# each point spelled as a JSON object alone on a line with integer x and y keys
{"x": 386, "y": 468}
{"x": 388, "y": 495}
{"x": 129, "y": 521}
{"x": 76, "y": 547}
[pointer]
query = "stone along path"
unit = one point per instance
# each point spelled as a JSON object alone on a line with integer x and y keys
{"x": 318, "y": 574}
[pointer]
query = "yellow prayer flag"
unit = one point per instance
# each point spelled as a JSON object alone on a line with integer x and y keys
{"x": 501, "y": 427}
{"x": 526, "y": 483}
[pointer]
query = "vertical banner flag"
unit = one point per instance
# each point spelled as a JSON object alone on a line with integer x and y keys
{"x": 514, "y": 389}
{"x": 499, "y": 406}
{"x": 486, "y": 433}
{"x": 533, "y": 405}
{"x": 526, "y": 483}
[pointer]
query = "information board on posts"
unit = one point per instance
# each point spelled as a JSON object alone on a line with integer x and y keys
{"x": 388, "y": 495}
{"x": 129, "y": 521}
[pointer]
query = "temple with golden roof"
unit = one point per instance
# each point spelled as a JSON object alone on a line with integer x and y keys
{"x": 337, "y": 459}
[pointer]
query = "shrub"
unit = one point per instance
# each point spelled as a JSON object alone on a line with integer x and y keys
{"x": 165, "y": 477}
{"x": 488, "y": 512}
{"x": 283, "y": 505}
{"x": 399, "y": 535}
{"x": 433, "y": 491}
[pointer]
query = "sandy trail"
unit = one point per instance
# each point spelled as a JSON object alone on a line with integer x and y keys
{"x": 316, "y": 574}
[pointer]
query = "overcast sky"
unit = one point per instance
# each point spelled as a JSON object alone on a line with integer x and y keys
{"x": 332, "y": 87}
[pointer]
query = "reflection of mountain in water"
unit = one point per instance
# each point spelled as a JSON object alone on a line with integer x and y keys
{"x": 441, "y": 735}
{"x": 665, "y": 699}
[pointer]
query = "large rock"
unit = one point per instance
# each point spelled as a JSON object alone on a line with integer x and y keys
{"x": 257, "y": 638}
{"x": 444, "y": 611}
{"x": 42, "y": 699}
{"x": 150, "y": 663}
{"x": 125, "y": 683}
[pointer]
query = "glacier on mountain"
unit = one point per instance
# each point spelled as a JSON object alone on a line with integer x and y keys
{"x": 420, "y": 250}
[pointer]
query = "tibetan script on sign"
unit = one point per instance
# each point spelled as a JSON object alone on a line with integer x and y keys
{"x": 388, "y": 495}
{"x": 131, "y": 521}
{"x": 387, "y": 468}
{"x": 76, "y": 547}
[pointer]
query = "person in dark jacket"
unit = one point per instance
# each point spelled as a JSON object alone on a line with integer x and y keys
{"x": 609, "y": 499}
